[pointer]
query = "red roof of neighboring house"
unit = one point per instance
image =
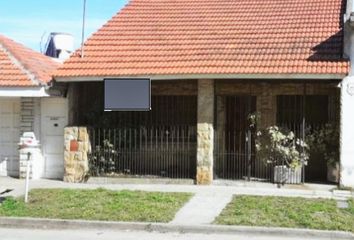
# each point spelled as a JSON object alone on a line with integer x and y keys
{"x": 176, "y": 37}
{"x": 23, "y": 67}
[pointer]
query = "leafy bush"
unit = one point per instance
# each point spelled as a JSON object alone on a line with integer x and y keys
{"x": 325, "y": 140}
{"x": 103, "y": 161}
{"x": 276, "y": 146}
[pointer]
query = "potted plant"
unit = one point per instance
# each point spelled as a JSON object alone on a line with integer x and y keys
{"x": 325, "y": 140}
{"x": 284, "y": 151}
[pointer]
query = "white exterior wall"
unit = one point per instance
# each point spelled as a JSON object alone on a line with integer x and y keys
{"x": 46, "y": 117}
{"x": 347, "y": 132}
{"x": 10, "y": 109}
{"x": 54, "y": 118}
{"x": 347, "y": 105}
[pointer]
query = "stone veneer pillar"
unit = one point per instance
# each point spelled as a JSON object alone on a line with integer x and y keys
{"x": 205, "y": 131}
{"x": 76, "y": 150}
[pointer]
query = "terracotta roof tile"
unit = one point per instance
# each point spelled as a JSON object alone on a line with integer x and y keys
{"x": 21, "y": 66}
{"x": 165, "y": 37}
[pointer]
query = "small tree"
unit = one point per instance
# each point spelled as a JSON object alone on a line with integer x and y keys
{"x": 276, "y": 146}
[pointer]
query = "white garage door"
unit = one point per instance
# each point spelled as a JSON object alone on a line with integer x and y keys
{"x": 54, "y": 117}
{"x": 9, "y": 136}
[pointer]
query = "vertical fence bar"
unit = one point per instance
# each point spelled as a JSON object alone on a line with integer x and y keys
{"x": 303, "y": 129}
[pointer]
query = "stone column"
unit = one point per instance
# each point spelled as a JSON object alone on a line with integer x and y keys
{"x": 76, "y": 150}
{"x": 205, "y": 135}
{"x": 347, "y": 133}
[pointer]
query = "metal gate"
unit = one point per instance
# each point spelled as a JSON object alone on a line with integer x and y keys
{"x": 235, "y": 140}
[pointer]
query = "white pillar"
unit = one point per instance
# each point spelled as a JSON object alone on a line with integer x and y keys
{"x": 347, "y": 133}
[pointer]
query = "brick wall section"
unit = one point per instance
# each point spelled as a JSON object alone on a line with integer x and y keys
{"x": 76, "y": 150}
{"x": 267, "y": 95}
{"x": 171, "y": 87}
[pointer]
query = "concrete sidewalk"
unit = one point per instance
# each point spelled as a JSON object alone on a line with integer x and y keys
{"x": 220, "y": 187}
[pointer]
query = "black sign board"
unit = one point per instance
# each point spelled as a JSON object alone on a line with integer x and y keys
{"x": 123, "y": 94}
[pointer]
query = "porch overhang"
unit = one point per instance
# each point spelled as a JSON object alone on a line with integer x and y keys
{"x": 23, "y": 92}
{"x": 313, "y": 77}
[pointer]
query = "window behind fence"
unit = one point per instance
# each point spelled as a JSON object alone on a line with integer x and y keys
{"x": 158, "y": 143}
{"x": 315, "y": 112}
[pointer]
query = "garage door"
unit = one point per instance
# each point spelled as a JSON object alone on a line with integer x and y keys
{"x": 9, "y": 136}
{"x": 54, "y": 118}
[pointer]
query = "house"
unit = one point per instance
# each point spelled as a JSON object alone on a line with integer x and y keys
{"x": 212, "y": 64}
{"x": 28, "y": 105}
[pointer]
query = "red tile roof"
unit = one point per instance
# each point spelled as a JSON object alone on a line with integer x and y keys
{"x": 176, "y": 37}
{"x": 23, "y": 67}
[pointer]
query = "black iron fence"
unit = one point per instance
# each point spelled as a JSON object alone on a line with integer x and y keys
{"x": 236, "y": 159}
{"x": 153, "y": 151}
{"x": 235, "y": 153}
{"x": 315, "y": 169}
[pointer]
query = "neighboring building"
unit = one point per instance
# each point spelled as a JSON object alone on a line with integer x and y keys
{"x": 27, "y": 105}
{"x": 59, "y": 46}
{"x": 212, "y": 64}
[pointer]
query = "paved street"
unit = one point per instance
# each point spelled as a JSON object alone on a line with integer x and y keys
{"x": 25, "y": 234}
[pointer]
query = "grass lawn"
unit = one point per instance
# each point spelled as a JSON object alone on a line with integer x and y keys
{"x": 288, "y": 212}
{"x": 97, "y": 204}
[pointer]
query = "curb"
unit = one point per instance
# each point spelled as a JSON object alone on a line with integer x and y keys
{"x": 38, "y": 223}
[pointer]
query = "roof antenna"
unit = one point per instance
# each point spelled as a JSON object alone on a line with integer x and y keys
{"x": 83, "y": 30}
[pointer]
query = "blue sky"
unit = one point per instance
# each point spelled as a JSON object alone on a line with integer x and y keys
{"x": 26, "y": 21}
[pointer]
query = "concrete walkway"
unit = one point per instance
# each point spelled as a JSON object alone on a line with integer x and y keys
{"x": 203, "y": 208}
{"x": 222, "y": 188}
